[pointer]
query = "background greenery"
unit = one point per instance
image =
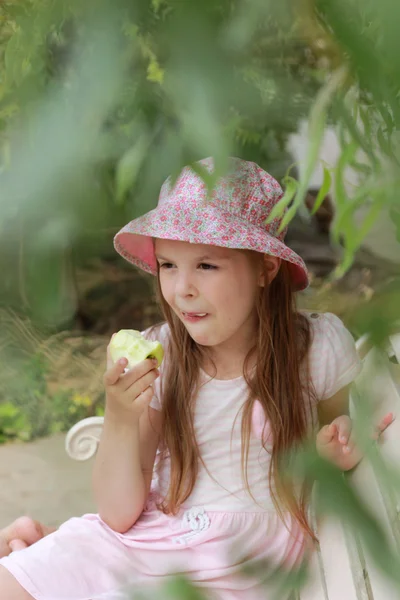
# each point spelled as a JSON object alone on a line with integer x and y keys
{"x": 100, "y": 101}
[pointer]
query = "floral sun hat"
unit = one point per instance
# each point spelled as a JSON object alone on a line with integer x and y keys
{"x": 233, "y": 217}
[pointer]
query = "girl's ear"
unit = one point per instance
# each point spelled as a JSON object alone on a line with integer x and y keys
{"x": 271, "y": 266}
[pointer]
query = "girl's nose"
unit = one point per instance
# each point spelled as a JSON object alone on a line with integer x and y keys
{"x": 184, "y": 285}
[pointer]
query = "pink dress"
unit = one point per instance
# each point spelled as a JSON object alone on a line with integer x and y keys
{"x": 219, "y": 530}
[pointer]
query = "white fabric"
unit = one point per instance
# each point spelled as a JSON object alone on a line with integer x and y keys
{"x": 333, "y": 363}
{"x": 333, "y": 359}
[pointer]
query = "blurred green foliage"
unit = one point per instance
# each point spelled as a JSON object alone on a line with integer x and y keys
{"x": 47, "y": 384}
{"x": 13, "y": 424}
{"x": 100, "y": 101}
{"x": 29, "y": 409}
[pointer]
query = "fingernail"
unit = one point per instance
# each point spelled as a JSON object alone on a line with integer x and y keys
{"x": 343, "y": 439}
{"x": 122, "y": 361}
{"x": 346, "y": 449}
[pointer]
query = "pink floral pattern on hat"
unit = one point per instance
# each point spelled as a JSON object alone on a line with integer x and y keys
{"x": 233, "y": 217}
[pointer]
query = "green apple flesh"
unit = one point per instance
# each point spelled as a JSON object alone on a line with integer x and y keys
{"x": 130, "y": 344}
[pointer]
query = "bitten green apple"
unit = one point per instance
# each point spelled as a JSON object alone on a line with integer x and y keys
{"x": 130, "y": 344}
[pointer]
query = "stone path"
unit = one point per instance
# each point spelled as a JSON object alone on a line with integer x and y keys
{"x": 39, "y": 479}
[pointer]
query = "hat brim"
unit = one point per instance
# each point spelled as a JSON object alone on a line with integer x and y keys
{"x": 134, "y": 242}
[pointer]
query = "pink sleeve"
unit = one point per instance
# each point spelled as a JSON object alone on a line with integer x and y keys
{"x": 334, "y": 362}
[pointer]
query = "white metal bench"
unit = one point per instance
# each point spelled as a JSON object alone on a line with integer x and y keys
{"x": 341, "y": 568}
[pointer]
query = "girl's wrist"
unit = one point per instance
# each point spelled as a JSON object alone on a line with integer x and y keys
{"x": 120, "y": 422}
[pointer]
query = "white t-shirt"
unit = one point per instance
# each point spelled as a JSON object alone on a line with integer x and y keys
{"x": 333, "y": 363}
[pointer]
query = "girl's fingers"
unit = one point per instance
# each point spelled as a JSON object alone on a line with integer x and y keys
{"x": 384, "y": 424}
{"x": 138, "y": 372}
{"x": 23, "y": 528}
{"x": 145, "y": 397}
{"x": 142, "y": 384}
{"x": 112, "y": 374}
{"x": 350, "y": 445}
{"x": 16, "y": 545}
{"x": 48, "y": 530}
{"x": 344, "y": 426}
{"x": 327, "y": 433}
{"x": 386, "y": 421}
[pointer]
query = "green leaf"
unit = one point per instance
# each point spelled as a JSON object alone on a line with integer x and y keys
{"x": 323, "y": 191}
{"x": 291, "y": 186}
{"x": 370, "y": 187}
{"x": 289, "y": 215}
{"x": 317, "y": 126}
{"x": 350, "y": 123}
{"x": 345, "y": 159}
{"x": 345, "y": 263}
{"x": 384, "y": 142}
{"x": 129, "y": 166}
{"x": 369, "y": 220}
{"x": 180, "y": 588}
{"x": 335, "y": 495}
{"x": 210, "y": 178}
{"x": 342, "y": 201}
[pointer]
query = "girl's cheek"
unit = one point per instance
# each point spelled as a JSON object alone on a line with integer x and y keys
{"x": 260, "y": 426}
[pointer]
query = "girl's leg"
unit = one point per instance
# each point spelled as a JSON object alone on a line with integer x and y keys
{"x": 10, "y": 588}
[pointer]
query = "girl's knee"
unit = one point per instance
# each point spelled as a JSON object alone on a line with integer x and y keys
{"x": 10, "y": 588}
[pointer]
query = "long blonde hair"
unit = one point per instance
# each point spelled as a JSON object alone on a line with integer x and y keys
{"x": 280, "y": 348}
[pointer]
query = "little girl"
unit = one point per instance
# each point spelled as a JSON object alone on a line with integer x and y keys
{"x": 188, "y": 476}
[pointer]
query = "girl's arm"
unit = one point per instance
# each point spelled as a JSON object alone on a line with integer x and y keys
{"x": 128, "y": 444}
{"x": 335, "y": 441}
{"x": 123, "y": 469}
{"x": 333, "y": 407}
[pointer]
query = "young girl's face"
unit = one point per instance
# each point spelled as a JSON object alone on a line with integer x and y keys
{"x": 212, "y": 290}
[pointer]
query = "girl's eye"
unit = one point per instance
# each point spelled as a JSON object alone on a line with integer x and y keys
{"x": 207, "y": 267}
{"x": 166, "y": 266}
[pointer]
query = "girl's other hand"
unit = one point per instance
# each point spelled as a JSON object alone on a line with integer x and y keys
{"x": 128, "y": 394}
{"x": 335, "y": 442}
{"x": 20, "y": 534}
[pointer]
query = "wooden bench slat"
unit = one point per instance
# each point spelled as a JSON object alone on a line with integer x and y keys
{"x": 315, "y": 588}
{"x": 331, "y": 568}
{"x": 377, "y": 384}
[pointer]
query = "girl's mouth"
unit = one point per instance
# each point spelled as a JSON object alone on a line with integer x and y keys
{"x": 193, "y": 317}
